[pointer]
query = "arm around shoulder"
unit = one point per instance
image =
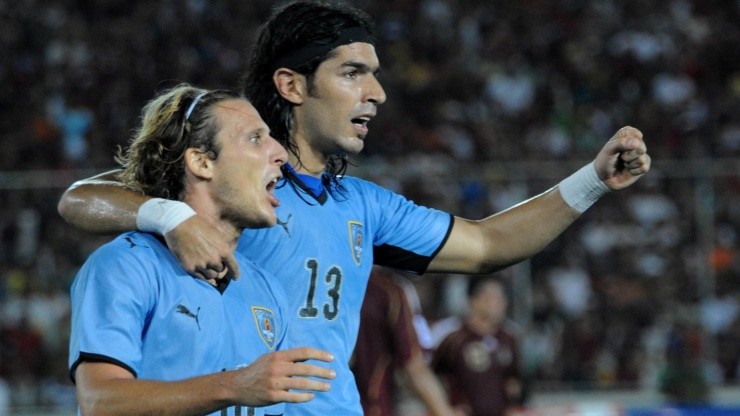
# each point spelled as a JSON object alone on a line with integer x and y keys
{"x": 101, "y": 204}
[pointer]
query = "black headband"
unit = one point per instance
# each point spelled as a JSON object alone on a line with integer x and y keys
{"x": 314, "y": 49}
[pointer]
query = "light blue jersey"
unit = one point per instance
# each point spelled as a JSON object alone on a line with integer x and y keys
{"x": 323, "y": 250}
{"x": 133, "y": 305}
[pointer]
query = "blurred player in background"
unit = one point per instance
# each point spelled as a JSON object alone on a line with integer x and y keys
{"x": 480, "y": 360}
{"x": 313, "y": 78}
{"x": 149, "y": 339}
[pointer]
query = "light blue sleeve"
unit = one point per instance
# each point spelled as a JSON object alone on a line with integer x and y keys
{"x": 111, "y": 299}
{"x": 407, "y": 236}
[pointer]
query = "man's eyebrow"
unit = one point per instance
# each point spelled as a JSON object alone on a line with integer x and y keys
{"x": 257, "y": 130}
{"x": 361, "y": 66}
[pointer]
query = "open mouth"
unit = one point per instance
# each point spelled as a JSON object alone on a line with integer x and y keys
{"x": 360, "y": 124}
{"x": 271, "y": 195}
{"x": 361, "y": 121}
{"x": 271, "y": 185}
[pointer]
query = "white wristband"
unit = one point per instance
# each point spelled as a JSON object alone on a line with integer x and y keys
{"x": 162, "y": 215}
{"x": 581, "y": 189}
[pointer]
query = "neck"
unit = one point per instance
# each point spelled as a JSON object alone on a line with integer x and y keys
{"x": 206, "y": 209}
{"x": 312, "y": 161}
{"x": 311, "y": 169}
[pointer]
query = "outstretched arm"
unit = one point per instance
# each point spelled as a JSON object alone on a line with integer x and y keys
{"x": 521, "y": 231}
{"x": 107, "y": 389}
{"x": 102, "y": 204}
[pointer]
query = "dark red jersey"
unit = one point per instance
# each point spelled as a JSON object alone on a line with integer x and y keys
{"x": 477, "y": 369}
{"x": 386, "y": 342}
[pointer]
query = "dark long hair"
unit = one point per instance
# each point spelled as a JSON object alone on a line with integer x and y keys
{"x": 289, "y": 29}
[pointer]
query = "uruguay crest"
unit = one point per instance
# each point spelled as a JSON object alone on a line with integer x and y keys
{"x": 355, "y": 240}
{"x": 265, "y": 321}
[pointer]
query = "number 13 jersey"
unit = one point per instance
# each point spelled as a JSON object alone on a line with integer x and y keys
{"x": 323, "y": 249}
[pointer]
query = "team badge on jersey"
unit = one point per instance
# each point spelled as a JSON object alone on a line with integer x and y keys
{"x": 477, "y": 357}
{"x": 265, "y": 321}
{"x": 355, "y": 240}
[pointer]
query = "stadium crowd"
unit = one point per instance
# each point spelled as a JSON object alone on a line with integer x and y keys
{"x": 488, "y": 102}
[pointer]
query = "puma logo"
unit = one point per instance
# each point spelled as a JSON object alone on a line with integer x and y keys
{"x": 185, "y": 311}
{"x": 284, "y": 224}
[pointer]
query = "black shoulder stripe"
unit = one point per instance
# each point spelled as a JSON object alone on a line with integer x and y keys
{"x": 86, "y": 357}
{"x": 444, "y": 240}
{"x": 399, "y": 258}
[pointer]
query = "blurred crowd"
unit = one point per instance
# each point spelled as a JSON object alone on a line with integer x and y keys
{"x": 489, "y": 102}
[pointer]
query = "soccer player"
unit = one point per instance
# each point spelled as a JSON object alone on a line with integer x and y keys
{"x": 149, "y": 339}
{"x": 480, "y": 360}
{"x": 312, "y": 77}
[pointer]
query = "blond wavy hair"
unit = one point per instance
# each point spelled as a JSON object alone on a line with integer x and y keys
{"x": 153, "y": 163}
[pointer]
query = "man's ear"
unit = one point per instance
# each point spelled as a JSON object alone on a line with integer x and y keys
{"x": 290, "y": 85}
{"x": 198, "y": 163}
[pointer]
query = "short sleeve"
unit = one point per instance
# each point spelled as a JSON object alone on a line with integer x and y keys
{"x": 407, "y": 235}
{"x": 111, "y": 297}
